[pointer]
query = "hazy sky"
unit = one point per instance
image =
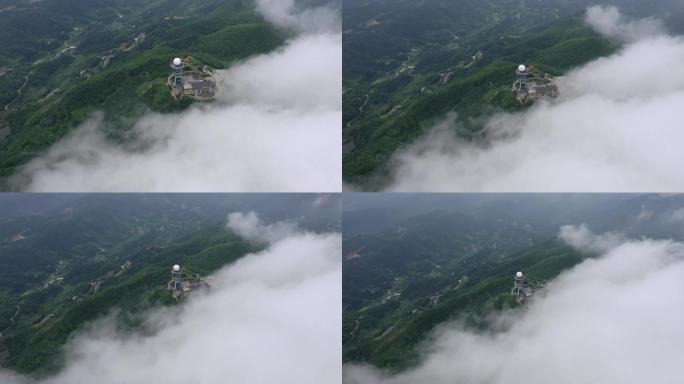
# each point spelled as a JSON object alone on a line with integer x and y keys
{"x": 616, "y": 126}
{"x": 275, "y": 127}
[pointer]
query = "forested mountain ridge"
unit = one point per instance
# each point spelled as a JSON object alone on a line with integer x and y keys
{"x": 415, "y": 262}
{"x": 64, "y": 60}
{"x": 408, "y": 64}
{"x": 73, "y": 259}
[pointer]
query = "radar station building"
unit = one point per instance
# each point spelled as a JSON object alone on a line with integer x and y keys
{"x": 520, "y": 288}
{"x": 188, "y": 81}
{"x": 531, "y": 87}
{"x": 182, "y": 285}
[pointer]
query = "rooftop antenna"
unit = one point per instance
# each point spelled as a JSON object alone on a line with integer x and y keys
{"x": 177, "y": 66}
{"x": 522, "y": 73}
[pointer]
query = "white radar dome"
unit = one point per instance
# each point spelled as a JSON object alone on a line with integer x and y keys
{"x": 176, "y": 267}
{"x": 518, "y": 275}
{"x": 521, "y": 68}
{"x": 177, "y": 61}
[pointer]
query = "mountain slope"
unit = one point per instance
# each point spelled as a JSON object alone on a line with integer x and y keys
{"x": 414, "y": 262}
{"x": 470, "y": 75}
{"x": 76, "y": 258}
{"x": 109, "y": 56}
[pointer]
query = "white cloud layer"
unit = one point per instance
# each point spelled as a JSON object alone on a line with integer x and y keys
{"x": 271, "y": 317}
{"x": 608, "y": 21}
{"x": 284, "y": 14}
{"x": 676, "y": 216}
{"x": 615, "y": 127}
{"x": 582, "y": 238}
{"x": 276, "y": 127}
{"x": 614, "y": 319}
{"x": 249, "y": 226}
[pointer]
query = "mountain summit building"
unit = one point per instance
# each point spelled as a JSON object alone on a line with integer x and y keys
{"x": 533, "y": 87}
{"x": 187, "y": 80}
